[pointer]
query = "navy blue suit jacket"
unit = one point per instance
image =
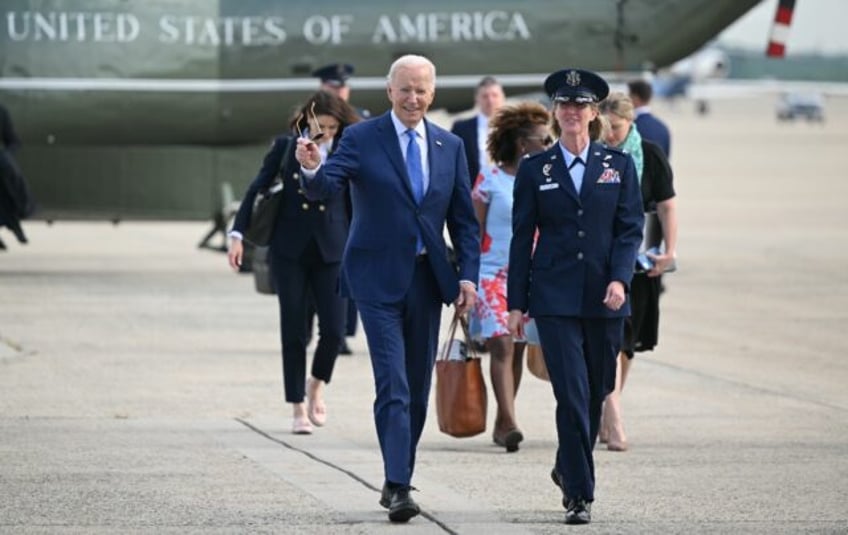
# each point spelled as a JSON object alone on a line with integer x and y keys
{"x": 379, "y": 259}
{"x": 655, "y": 131}
{"x": 299, "y": 219}
{"x": 466, "y": 129}
{"x": 586, "y": 240}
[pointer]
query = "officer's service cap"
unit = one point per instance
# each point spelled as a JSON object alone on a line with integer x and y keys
{"x": 334, "y": 74}
{"x": 576, "y": 85}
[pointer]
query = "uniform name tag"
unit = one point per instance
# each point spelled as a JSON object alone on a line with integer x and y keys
{"x": 545, "y": 187}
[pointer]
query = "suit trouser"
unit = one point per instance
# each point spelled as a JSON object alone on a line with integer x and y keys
{"x": 402, "y": 339}
{"x": 295, "y": 280}
{"x": 580, "y": 355}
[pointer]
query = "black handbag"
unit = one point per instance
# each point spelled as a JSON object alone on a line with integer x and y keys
{"x": 266, "y": 206}
{"x": 263, "y": 281}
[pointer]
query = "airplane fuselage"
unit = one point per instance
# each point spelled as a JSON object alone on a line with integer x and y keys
{"x": 229, "y": 72}
{"x": 143, "y": 109}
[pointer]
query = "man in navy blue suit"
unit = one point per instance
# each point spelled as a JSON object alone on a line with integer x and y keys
{"x": 583, "y": 199}
{"x": 649, "y": 126}
{"x": 407, "y": 178}
{"x": 474, "y": 131}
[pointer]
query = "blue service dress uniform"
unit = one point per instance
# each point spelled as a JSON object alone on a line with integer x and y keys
{"x": 586, "y": 240}
{"x": 305, "y": 256}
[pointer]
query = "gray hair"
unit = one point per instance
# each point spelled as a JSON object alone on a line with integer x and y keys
{"x": 411, "y": 60}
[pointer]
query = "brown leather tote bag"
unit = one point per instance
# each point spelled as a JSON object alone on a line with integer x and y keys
{"x": 460, "y": 389}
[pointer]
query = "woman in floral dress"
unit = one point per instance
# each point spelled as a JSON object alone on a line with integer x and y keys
{"x": 516, "y": 131}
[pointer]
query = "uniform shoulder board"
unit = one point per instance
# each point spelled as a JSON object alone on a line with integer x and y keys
{"x": 534, "y": 155}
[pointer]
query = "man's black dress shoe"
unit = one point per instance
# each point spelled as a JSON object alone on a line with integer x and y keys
{"x": 578, "y": 512}
{"x": 386, "y": 496}
{"x": 344, "y": 349}
{"x": 402, "y": 506}
{"x": 558, "y": 482}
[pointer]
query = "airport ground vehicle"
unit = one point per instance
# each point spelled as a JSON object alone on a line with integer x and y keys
{"x": 807, "y": 106}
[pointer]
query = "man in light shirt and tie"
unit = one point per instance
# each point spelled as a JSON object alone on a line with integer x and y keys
{"x": 408, "y": 178}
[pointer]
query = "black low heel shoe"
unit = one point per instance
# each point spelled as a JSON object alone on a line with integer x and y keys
{"x": 509, "y": 440}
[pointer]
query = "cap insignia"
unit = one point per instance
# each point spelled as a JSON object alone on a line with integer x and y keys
{"x": 572, "y": 78}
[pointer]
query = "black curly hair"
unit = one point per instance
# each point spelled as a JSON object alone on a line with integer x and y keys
{"x": 509, "y": 125}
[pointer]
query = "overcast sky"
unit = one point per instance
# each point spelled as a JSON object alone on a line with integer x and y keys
{"x": 817, "y": 26}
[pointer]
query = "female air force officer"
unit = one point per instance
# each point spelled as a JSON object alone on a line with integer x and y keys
{"x": 584, "y": 200}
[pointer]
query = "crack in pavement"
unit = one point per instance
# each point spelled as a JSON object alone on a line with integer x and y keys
{"x": 338, "y": 468}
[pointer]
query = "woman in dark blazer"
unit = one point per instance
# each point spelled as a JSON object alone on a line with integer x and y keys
{"x": 583, "y": 199}
{"x": 305, "y": 254}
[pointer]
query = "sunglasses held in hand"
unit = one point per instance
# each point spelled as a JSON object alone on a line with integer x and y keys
{"x": 314, "y": 120}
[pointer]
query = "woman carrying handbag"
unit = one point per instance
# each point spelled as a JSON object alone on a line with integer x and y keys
{"x": 305, "y": 250}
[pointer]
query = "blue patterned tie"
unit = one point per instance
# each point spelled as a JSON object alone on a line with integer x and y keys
{"x": 416, "y": 177}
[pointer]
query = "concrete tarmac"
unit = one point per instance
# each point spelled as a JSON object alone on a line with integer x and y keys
{"x": 141, "y": 387}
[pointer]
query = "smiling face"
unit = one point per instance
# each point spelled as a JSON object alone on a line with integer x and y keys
{"x": 411, "y": 91}
{"x": 574, "y": 118}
